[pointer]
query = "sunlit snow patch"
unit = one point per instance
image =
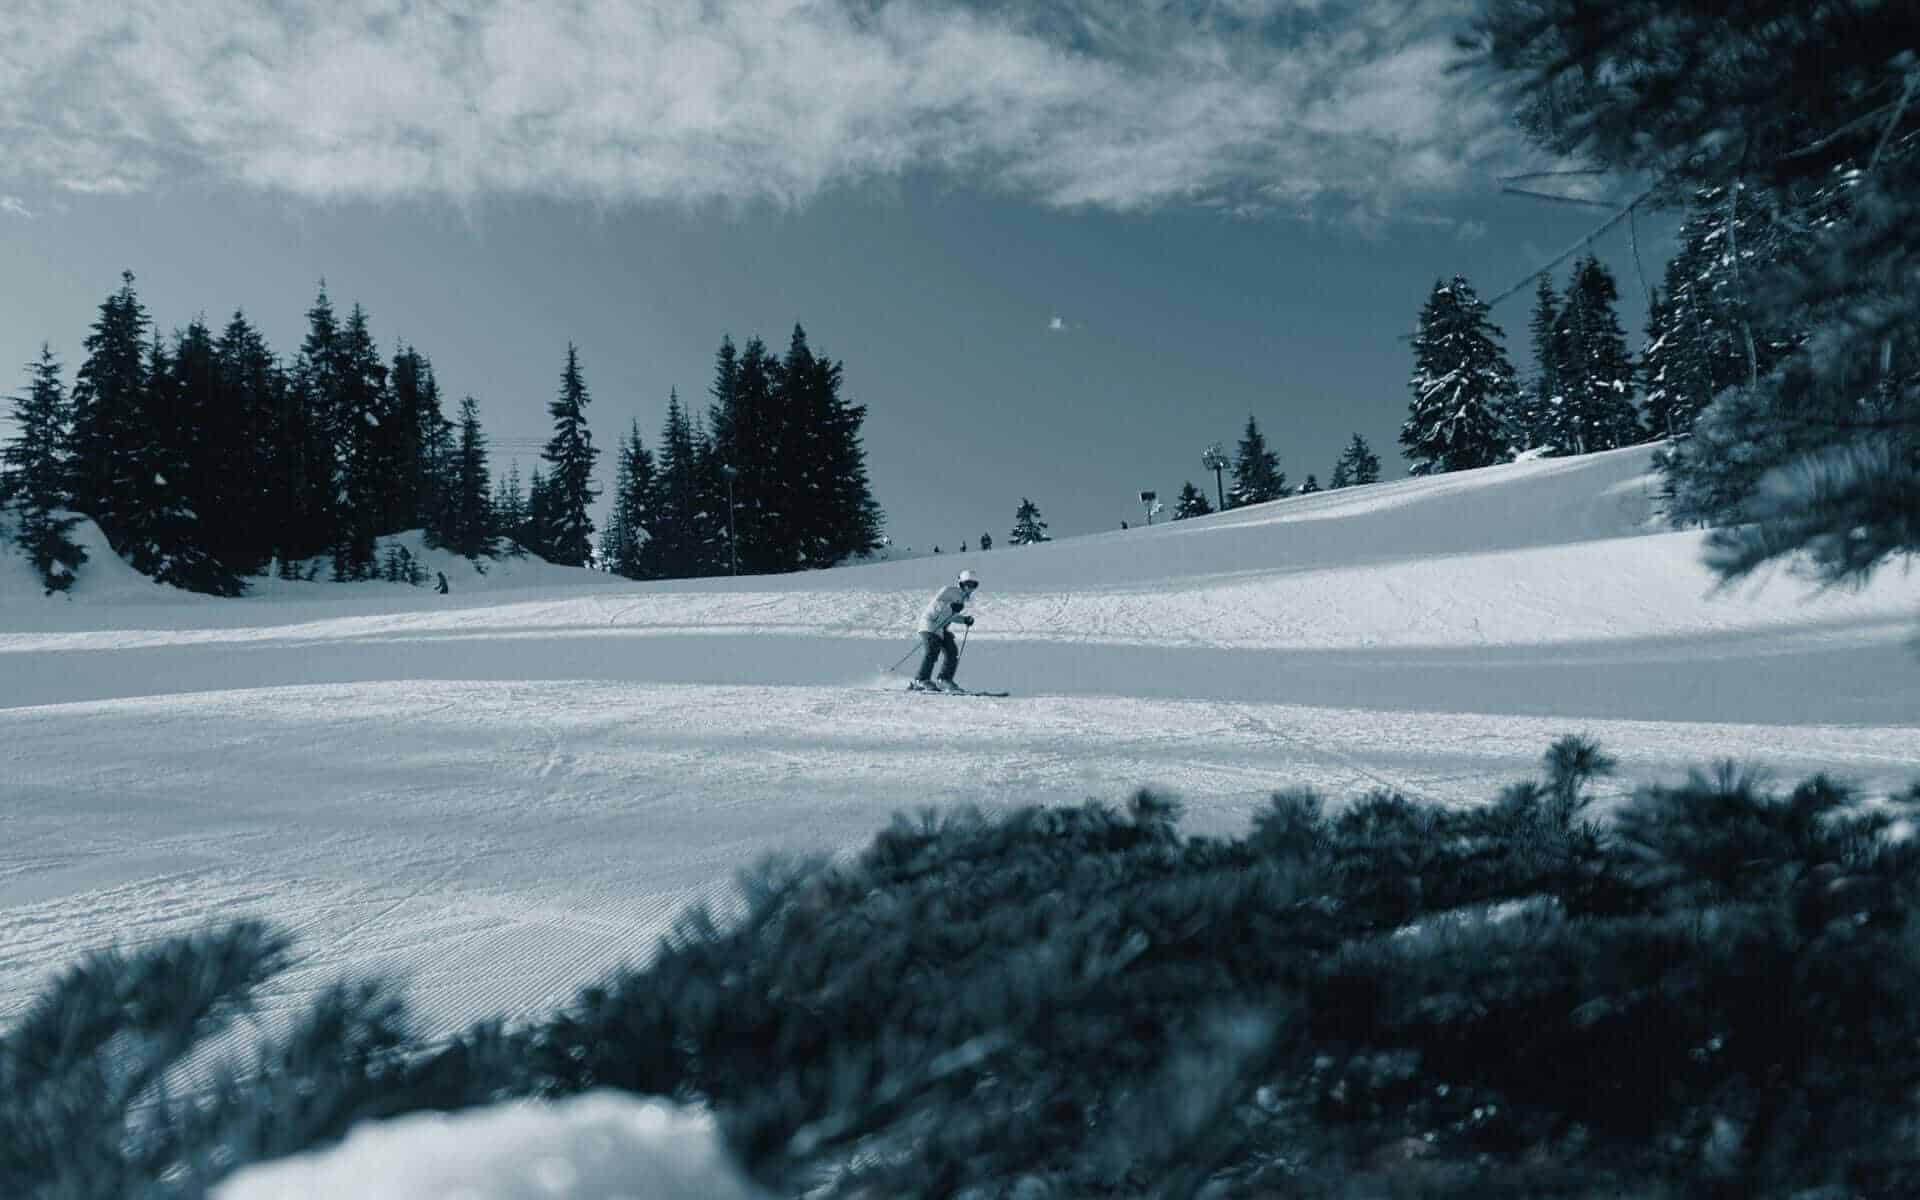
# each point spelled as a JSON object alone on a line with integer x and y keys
{"x": 600, "y": 1146}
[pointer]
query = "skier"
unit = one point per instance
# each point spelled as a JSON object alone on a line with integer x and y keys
{"x": 942, "y": 611}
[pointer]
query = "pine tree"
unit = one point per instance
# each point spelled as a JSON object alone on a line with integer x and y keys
{"x": 1257, "y": 476}
{"x": 1699, "y": 327}
{"x": 178, "y": 544}
{"x": 1597, "y": 411}
{"x": 1530, "y": 416}
{"x": 624, "y": 540}
{"x": 1192, "y": 502}
{"x": 568, "y": 529}
{"x": 1028, "y": 528}
{"x": 109, "y": 402}
{"x": 440, "y": 495}
{"x": 305, "y": 471}
{"x": 510, "y": 511}
{"x": 1669, "y": 368}
{"x": 1310, "y": 486}
{"x": 469, "y": 531}
{"x": 37, "y": 474}
{"x": 834, "y": 516}
{"x": 1461, "y": 383}
{"x": 748, "y": 425}
{"x": 1358, "y": 465}
{"x": 414, "y": 429}
{"x": 539, "y": 523}
{"x": 360, "y": 412}
{"x": 674, "y": 547}
{"x": 718, "y": 530}
{"x": 241, "y": 490}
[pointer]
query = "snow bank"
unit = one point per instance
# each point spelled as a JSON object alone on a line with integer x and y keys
{"x": 601, "y": 1146}
{"x": 105, "y": 578}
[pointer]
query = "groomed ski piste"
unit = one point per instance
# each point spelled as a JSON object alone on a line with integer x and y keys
{"x": 503, "y": 792}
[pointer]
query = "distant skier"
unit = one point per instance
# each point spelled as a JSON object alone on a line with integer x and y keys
{"x": 942, "y": 611}
{"x": 442, "y": 589}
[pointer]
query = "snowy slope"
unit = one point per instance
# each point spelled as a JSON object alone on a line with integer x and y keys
{"x": 509, "y": 788}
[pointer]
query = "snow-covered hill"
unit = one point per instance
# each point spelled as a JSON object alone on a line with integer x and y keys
{"x": 508, "y": 788}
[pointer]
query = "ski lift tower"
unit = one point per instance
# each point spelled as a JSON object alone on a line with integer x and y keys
{"x": 1215, "y": 460}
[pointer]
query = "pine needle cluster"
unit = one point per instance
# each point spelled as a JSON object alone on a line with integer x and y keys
{"x": 1705, "y": 992}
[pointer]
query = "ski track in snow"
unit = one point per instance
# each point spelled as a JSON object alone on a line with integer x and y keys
{"x": 505, "y": 793}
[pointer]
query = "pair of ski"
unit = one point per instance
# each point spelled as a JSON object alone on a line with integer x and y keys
{"x": 952, "y": 689}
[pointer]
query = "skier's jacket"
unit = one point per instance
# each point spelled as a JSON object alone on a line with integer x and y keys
{"x": 943, "y": 609}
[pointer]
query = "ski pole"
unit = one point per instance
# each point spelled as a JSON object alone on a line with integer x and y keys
{"x": 964, "y": 635}
{"x": 903, "y": 658}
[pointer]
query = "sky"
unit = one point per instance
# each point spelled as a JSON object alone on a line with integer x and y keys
{"x": 1060, "y": 247}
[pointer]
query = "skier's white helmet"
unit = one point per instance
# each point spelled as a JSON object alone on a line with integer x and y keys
{"x": 969, "y": 579}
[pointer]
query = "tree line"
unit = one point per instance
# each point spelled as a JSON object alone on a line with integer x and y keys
{"x": 205, "y": 459}
{"x": 1257, "y": 478}
{"x": 774, "y": 479}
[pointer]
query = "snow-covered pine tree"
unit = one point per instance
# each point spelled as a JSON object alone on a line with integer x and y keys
{"x": 1461, "y": 384}
{"x": 1358, "y": 465}
{"x": 1597, "y": 411}
{"x": 1310, "y": 486}
{"x": 1670, "y": 373}
{"x": 1028, "y": 528}
{"x": 629, "y": 526}
{"x": 1191, "y": 502}
{"x": 1257, "y": 476}
{"x": 36, "y": 475}
{"x": 1698, "y": 332}
{"x": 568, "y": 529}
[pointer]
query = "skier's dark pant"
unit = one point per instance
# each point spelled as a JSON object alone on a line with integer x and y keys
{"x": 941, "y": 646}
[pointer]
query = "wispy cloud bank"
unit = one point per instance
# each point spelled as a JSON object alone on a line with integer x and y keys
{"x": 1252, "y": 105}
{"x": 14, "y": 206}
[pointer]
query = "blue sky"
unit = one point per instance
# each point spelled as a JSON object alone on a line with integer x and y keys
{"x": 1060, "y": 247}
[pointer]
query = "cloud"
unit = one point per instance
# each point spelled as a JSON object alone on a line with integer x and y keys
{"x": 1256, "y": 106}
{"x": 1056, "y": 325}
{"x": 14, "y": 206}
